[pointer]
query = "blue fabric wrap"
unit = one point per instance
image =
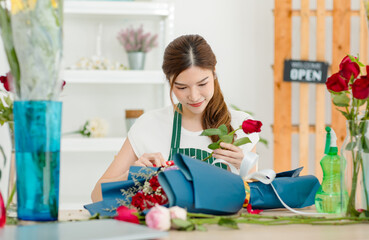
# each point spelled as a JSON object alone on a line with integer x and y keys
{"x": 295, "y": 191}
{"x": 111, "y": 192}
{"x": 202, "y": 187}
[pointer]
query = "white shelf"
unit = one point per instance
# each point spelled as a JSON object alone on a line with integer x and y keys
{"x": 117, "y": 8}
{"x": 91, "y": 144}
{"x": 113, "y": 77}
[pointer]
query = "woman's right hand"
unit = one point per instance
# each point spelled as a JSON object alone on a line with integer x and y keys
{"x": 151, "y": 160}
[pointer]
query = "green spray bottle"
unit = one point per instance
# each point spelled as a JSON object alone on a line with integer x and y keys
{"x": 328, "y": 198}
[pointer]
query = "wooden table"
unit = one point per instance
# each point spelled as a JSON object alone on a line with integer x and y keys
{"x": 255, "y": 232}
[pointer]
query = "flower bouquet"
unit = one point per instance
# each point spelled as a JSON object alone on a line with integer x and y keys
{"x": 350, "y": 93}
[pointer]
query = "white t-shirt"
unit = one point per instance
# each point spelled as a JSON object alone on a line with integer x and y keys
{"x": 152, "y": 132}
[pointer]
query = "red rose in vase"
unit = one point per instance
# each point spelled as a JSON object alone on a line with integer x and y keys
{"x": 360, "y": 88}
{"x": 349, "y": 68}
{"x": 337, "y": 83}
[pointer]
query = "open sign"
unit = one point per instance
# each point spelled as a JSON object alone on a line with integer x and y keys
{"x": 305, "y": 71}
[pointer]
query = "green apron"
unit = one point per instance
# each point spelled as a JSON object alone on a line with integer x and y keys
{"x": 192, "y": 152}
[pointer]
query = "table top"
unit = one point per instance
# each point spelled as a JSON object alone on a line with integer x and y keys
{"x": 255, "y": 231}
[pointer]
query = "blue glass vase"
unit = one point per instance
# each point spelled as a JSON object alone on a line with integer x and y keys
{"x": 37, "y": 126}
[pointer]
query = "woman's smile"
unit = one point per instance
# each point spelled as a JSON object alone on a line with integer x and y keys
{"x": 196, "y": 104}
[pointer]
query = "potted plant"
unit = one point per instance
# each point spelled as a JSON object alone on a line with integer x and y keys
{"x": 137, "y": 43}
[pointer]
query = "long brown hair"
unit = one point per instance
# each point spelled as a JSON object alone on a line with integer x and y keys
{"x": 193, "y": 50}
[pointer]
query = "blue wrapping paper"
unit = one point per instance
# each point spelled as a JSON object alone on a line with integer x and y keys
{"x": 203, "y": 188}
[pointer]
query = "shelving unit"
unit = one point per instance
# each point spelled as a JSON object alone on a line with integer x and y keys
{"x": 113, "y": 77}
{"x": 91, "y": 144}
{"x": 105, "y": 93}
{"x": 118, "y": 8}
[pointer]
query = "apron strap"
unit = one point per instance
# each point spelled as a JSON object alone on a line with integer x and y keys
{"x": 177, "y": 125}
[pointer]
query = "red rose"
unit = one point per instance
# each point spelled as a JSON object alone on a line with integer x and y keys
{"x": 154, "y": 183}
{"x": 349, "y": 68}
{"x": 125, "y": 214}
{"x": 251, "y": 126}
{"x": 160, "y": 199}
{"x": 360, "y": 88}
{"x": 138, "y": 201}
{"x": 7, "y": 81}
{"x": 337, "y": 83}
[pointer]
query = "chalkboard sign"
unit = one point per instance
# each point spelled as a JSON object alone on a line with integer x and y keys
{"x": 305, "y": 71}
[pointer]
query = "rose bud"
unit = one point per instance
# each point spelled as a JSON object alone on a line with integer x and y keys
{"x": 158, "y": 218}
{"x": 125, "y": 214}
{"x": 360, "y": 88}
{"x": 178, "y": 212}
{"x": 337, "y": 83}
{"x": 7, "y": 81}
{"x": 251, "y": 126}
{"x": 349, "y": 68}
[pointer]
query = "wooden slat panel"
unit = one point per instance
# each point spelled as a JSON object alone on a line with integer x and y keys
{"x": 341, "y": 47}
{"x": 282, "y": 90}
{"x": 320, "y": 91}
{"x": 304, "y": 91}
{"x": 363, "y": 51}
{"x": 327, "y": 13}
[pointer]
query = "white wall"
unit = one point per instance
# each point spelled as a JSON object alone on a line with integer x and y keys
{"x": 240, "y": 33}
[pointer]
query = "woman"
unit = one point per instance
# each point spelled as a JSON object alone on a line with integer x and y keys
{"x": 189, "y": 65}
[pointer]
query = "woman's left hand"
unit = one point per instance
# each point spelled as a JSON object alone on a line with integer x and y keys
{"x": 230, "y": 153}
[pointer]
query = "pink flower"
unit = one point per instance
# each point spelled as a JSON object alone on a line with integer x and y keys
{"x": 158, "y": 218}
{"x": 125, "y": 214}
{"x": 178, "y": 212}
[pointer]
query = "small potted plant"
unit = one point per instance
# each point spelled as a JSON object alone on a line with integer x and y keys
{"x": 137, "y": 43}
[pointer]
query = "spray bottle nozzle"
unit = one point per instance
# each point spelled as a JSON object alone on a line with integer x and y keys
{"x": 330, "y": 142}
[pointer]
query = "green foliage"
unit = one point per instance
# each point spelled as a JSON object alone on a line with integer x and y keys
{"x": 241, "y": 141}
{"x": 6, "y": 111}
{"x": 183, "y": 225}
{"x": 228, "y": 222}
{"x": 341, "y": 100}
{"x": 224, "y": 136}
{"x": 7, "y": 36}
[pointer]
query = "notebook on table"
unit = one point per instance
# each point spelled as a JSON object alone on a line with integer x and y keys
{"x": 95, "y": 229}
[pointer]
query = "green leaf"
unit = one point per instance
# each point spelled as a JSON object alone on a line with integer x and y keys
{"x": 264, "y": 141}
{"x": 211, "y": 132}
{"x": 181, "y": 224}
{"x": 214, "y": 146}
{"x": 350, "y": 146}
{"x": 341, "y": 100}
{"x": 223, "y": 129}
{"x": 365, "y": 144}
{"x": 228, "y": 222}
{"x": 201, "y": 228}
{"x": 345, "y": 114}
{"x": 241, "y": 141}
{"x": 226, "y": 138}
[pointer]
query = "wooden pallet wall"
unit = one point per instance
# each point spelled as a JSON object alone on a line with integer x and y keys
{"x": 283, "y": 129}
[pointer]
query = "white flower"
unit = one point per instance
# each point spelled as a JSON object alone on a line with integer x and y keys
{"x": 97, "y": 127}
{"x": 178, "y": 212}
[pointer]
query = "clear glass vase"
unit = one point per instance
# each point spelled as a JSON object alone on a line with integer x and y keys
{"x": 355, "y": 151}
{"x": 11, "y": 205}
